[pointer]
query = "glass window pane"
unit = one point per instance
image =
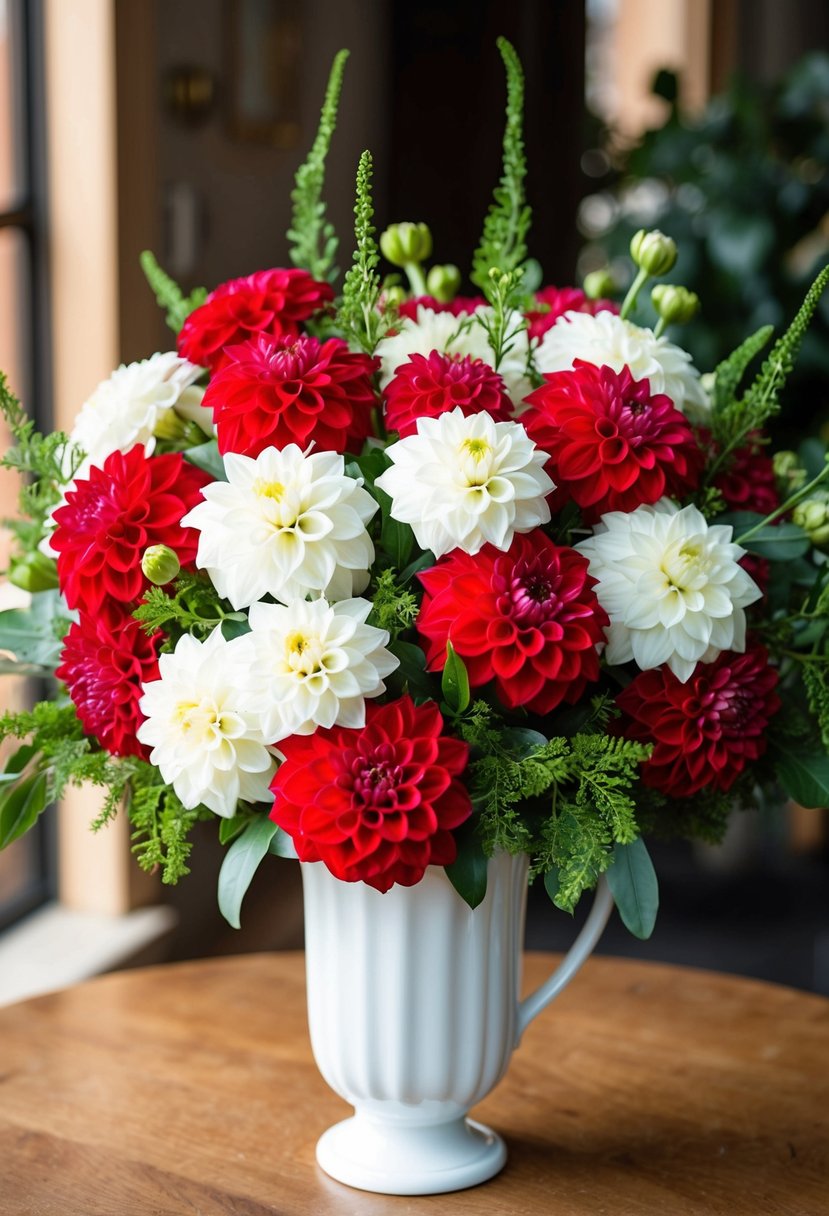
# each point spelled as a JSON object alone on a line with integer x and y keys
{"x": 11, "y": 110}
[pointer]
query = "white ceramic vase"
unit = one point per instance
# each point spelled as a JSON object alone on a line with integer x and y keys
{"x": 414, "y": 1012}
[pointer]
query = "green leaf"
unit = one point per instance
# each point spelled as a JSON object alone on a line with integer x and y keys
{"x": 455, "y": 681}
{"x": 412, "y": 670}
{"x": 424, "y": 562}
{"x": 168, "y": 294}
{"x": 467, "y": 873}
{"x": 633, "y": 884}
{"x": 16, "y": 763}
{"x": 229, "y": 829}
{"x": 20, "y": 807}
{"x": 781, "y": 542}
{"x": 522, "y": 741}
{"x": 804, "y": 778}
{"x": 552, "y": 883}
{"x": 240, "y": 864}
{"x": 33, "y": 635}
{"x": 396, "y": 538}
{"x": 206, "y": 457}
{"x": 282, "y": 845}
{"x": 234, "y": 626}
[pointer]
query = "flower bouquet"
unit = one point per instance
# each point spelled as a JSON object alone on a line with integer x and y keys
{"x": 399, "y": 581}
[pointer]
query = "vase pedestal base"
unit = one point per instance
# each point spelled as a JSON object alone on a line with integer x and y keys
{"x": 406, "y": 1159}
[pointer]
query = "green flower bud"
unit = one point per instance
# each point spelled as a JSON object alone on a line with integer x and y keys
{"x": 34, "y": 572}
{"x": 653, "y": 251}
{"x": 812, "y": 515}
{"x": 443, "y": 282}
{"x": 402, "y": 244}
{"x": 160, "y": 564}
{"x": 788, "y": 473}
{"x": 394, "y": 296}
{"x": 598, "y": 284}
{"x": 676, "y": 305}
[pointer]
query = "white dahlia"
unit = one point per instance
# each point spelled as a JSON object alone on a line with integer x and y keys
{"x": 284, "y": 524}
{"x": 201, "y": 736}
{"x": 671, "y": 586}
{"x": 608, "y": 340}
{"x": 310, "y": 664}
{"x": 127, "y": 408}
{"x": 462, "y": 335}
{"x": 464, "y": 482}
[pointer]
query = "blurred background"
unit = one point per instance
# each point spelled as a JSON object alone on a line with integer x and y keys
{"x": 177, "y": 125}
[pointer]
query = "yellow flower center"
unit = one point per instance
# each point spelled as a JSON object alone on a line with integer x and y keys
{"x": 303, "y": 653}
{"x": 478, "y": 449}
{"x": 268, "y": 489}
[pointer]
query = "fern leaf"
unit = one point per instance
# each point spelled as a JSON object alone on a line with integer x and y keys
{"x": 503, "y": 241}
{"x": 314, "y": 242}
{"x": 168, "y": 294}
{"x": 730, "y": 372}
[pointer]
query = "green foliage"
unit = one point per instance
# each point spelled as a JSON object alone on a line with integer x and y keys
{"x": 816, "y": 683}
{"x": 194, "y": 607}
{"x": 168, "y": 294}
{"x": 729, "y": 374}
{"x": 46, "y": 463}
{"x": 359, "y": 313}
{"x": 503, "y": 241}
{"x": 161, "y": 825}
{"x": 455, "y": 681}
{"x": 393, "y": 607}
{"x": 635, "y": 890}
{"x": 241, "y": 863}
{"x": 503, "y": 324}
{"x": 313, "y": 240}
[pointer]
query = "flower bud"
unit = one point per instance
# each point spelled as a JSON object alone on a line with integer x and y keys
{"x": 812, "y": 515}
{"x": 402, "y": 244}
{"x": 394, "y": 296}
{"x": 34, "y": 572}
{"x": 443, "y": 282}
{"x": 788, "y": 472}
{"x": 598, "y": 284}
{"x": 653, "y": 251}
{"x": 676, "y": 305}
{"x": 160, "y": 564}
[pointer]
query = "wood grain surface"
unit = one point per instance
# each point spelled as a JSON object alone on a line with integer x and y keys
{"x": 190, "y": 1088}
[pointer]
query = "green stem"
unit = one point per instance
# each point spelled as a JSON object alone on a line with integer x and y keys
{"x": 787, "y": 506}
{"x": 636, "y": 286}
{"x": 417, "y": 280}
{"x": 661, "y": 326}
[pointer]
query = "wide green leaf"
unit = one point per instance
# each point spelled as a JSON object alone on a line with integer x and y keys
{"x": 240, "y": 864}
{"x": 20, "y": 807}
{"x": 412, "y": 674}
{"x": 804, "y": 778}
{"x": 16, "y": 763}
{"x": 282, "y": 845}
{"x": 467, "y": 873}
{"x": 207, "y": 458}
{"x": 455, "y": 682}
{"x": 780, "y": 542}
{"x": 32, "y": 636}
{"x": 552, "y": 882}
{"x": 633, "y": 884}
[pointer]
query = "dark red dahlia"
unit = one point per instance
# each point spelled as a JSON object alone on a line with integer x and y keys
{"x": 429, "y": 385}
{"x": 460, "y": 304}
{"x": 554, "y": 302}
{"x": 271, "y": 394}
{"x": 270, "y": 303}
{"x": 104, "y": 661}
{"x": 747, "y": 483}
{"x": 527, "y": 619}
{"x": 376, "y": 805}
{"x": 704, "y": 731}
{"x": 613, "y": 445}
{"x": 112, "y": 516}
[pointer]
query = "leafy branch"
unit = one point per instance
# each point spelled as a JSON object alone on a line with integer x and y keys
{"x": 168, "y": 294}
{"x": 314, "y": 240}
{"x": 194, "y": 607}
{"x": 503, "y": 240}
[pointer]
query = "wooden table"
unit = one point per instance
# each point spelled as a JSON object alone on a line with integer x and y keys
{"x": 190, "y": 1088}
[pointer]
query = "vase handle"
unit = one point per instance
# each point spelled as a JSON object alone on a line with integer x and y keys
{"x": 573, "y": 960}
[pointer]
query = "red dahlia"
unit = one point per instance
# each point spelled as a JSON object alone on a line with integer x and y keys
{"x": 270, "y": 394}
{"x": 704, "y": 731}
{"x": 376, "y": 805}
{"x": 554, "y": 302}
{"x": 105, "y": 660}
{"x": 747, "y": 483}
{"x": 429, "y": 385}
{"x": 613, "y": 446}
{"x": 270, "y": 303}
{"x": 460, "y": 304}
{"x": 527, "y": 618}
{"x": 111, "y": 517}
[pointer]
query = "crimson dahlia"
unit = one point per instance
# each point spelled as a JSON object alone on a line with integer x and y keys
{"x": 429, "y": 385}
{"x": 554, "y": 302}
{"x": 613, "y": 445}
{"x": 271, "y": 394}
{"x": 706, "y": 730}
{"x": 113, "y": 515}
{"x": 527, "y": 619}
{"x": 104, "y": 661}
{"x": 378, "y": 804}
{"x": 270, "y": 303}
